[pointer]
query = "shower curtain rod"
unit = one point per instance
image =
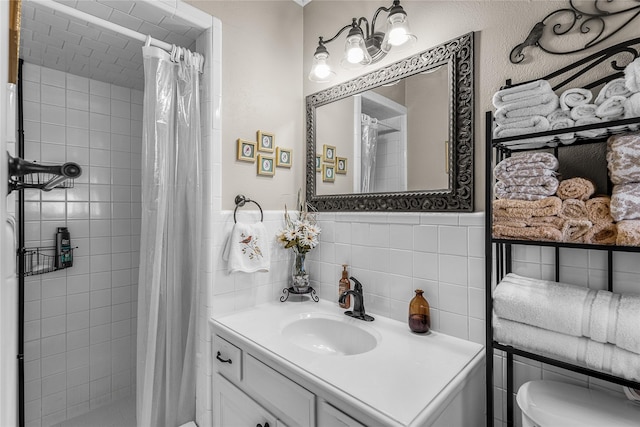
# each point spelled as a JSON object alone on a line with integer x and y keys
{"x": 69, "y": 11}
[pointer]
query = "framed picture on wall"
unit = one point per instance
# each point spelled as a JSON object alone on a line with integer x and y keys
{"x": 265, "y": 165}
{"x": 328, "y": 153}
{"x": 341, "y": 165}
{"x": 284, "y": 157}
{"x": 246, "y": 150}
{"x": 318, "y": 162}
{"x": 266, "y": 141}
{"x": 328, "y": 173}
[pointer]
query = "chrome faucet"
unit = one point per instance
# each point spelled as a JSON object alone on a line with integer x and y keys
{"x": 358, "y": 302}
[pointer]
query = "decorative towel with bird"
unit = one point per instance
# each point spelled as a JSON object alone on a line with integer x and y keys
{"x": 245, "y": 250}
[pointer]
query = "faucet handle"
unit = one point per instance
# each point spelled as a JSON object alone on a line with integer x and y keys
{"x": 357, "y": 285}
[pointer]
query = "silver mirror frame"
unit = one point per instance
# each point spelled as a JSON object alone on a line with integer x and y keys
{"x": 458, "y": 54}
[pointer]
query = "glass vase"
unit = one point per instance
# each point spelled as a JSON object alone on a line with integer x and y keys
{"x": 299, "y": 275}
{"x": 419, "y": 315}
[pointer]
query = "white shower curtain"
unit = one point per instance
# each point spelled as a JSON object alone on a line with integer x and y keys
{"x": 369, "y": 148}
{"x": 168, "y": 284}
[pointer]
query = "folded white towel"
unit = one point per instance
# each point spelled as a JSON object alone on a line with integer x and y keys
{"x": 537, "y": 106}
{"x": 603, "y": 316}
{"x": 583, "y": 111}
{"x": 573, "y": 97}
{"x": 632, "y": 76}
{"x": 592, "y": 133}
{"x": 247, "y": 249}
{"x": 612, "y": 108}
{"x": 520, "y": 92}
{"x": 589, "y": 353}
{"x": 616, "y": 87}
{"x": 524, "y": 125}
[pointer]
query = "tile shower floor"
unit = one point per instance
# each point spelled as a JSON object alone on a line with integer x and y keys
{"x": 121, "y": 413}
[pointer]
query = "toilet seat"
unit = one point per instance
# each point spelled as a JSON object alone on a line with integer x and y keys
{"x": 556, "y": 404}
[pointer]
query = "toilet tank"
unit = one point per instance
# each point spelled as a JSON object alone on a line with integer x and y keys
{"x": 555, "y": 404}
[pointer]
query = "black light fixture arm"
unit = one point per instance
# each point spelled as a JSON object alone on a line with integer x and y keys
{"x": 354, "y": 24}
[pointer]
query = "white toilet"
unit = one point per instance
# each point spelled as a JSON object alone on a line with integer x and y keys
{"x": 556, "y": 404}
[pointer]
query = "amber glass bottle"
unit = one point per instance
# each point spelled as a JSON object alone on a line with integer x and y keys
{"x": 419, "y": 317}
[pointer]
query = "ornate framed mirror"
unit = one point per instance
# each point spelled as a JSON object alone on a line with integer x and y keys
{"x": 403, "y": 134}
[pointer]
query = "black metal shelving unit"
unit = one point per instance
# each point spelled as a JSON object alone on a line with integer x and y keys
{"x": 498, "y": 262}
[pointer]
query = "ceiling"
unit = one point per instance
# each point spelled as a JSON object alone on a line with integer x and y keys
{"x": 53, "y": 40}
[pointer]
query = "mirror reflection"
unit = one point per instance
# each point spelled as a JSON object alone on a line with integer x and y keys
{"x": 392, "y": 138}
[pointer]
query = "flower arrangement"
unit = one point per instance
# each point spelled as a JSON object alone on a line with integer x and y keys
{"x": 300, "y": 234}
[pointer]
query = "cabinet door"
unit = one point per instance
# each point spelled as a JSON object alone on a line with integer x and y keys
{"x": 233, "y": 408}
{"x": 328, "y": 416}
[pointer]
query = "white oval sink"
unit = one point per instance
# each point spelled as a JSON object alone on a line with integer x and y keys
{"x": 330, "y": 336}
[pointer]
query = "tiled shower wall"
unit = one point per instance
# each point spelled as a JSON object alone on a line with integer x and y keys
{"x": 80, "y": 323}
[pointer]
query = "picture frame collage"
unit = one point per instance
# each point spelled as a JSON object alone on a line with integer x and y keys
{"x": 262, "y": 151}
{"x": 329, "y": 164}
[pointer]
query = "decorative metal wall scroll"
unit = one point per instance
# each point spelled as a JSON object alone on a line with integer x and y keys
{"x": 594, "y": 21}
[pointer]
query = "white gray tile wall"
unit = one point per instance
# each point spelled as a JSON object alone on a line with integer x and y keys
{"x": 80, "y": 323}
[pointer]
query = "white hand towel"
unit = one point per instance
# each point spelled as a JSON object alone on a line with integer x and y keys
{"x": 612, "y": 108}
{"x": 573, "y": 97}
{"x": 583, "y": 111}
{"x": 616, "y": 87}
{"x": 632, "y": 76}
{"x": 520, "y": 92}
{"x": 537, "y": 106}
{"x": 247, "y": 249}
{"x": 589, "y": 353}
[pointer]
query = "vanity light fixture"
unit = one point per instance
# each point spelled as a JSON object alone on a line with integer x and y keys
{"x": 364, "y": 47}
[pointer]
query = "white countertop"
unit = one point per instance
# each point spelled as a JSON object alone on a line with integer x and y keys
{"x": 403, "y": 381}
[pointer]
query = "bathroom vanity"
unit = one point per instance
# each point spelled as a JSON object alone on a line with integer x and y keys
{"x": 307, "y": 364}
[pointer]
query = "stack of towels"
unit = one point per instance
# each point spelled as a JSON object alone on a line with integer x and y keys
{"x": 523, "y": 109}
{"x": 534, "y": 107}
{"x": 527, "y": 176}
{"x": 623, "y": 162}
{"x": 573, "y": 214}
{"x": 596, "y": 329}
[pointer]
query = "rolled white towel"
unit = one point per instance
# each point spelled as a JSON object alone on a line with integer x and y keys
{"x": 589, "y": 353}
{"x": 616, "y": 87}
{"x": 558, "y": 114}
{"x": 592, "y": 133}
{"x": 583, "y": 111}
{"x": 612, "y": 108}
{"x": 520, "y": 92}
{"x": 537, "y": 106}
{"x": 632, "y": 76}
{"x": 573, "y": 97}
{"x": 564, "y": 123}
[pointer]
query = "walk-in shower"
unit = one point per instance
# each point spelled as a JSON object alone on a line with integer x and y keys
{"x": 82, "y": 95}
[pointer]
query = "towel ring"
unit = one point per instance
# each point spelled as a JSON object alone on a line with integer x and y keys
{"x": 240, "y": 201}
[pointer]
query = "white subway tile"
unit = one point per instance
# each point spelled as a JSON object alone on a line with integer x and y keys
{"x": 453, "y": 298}
{"x": 453, "y": 269}
{"x": 425, "y": 238}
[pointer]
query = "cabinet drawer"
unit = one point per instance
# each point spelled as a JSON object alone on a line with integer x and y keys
{"x": 227, "y": 359}
{"x": 328, "y": 416}
{"x": 295, "y": 402}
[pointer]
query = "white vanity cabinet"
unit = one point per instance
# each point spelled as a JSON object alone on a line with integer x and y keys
{"x": 263, "y": 375}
